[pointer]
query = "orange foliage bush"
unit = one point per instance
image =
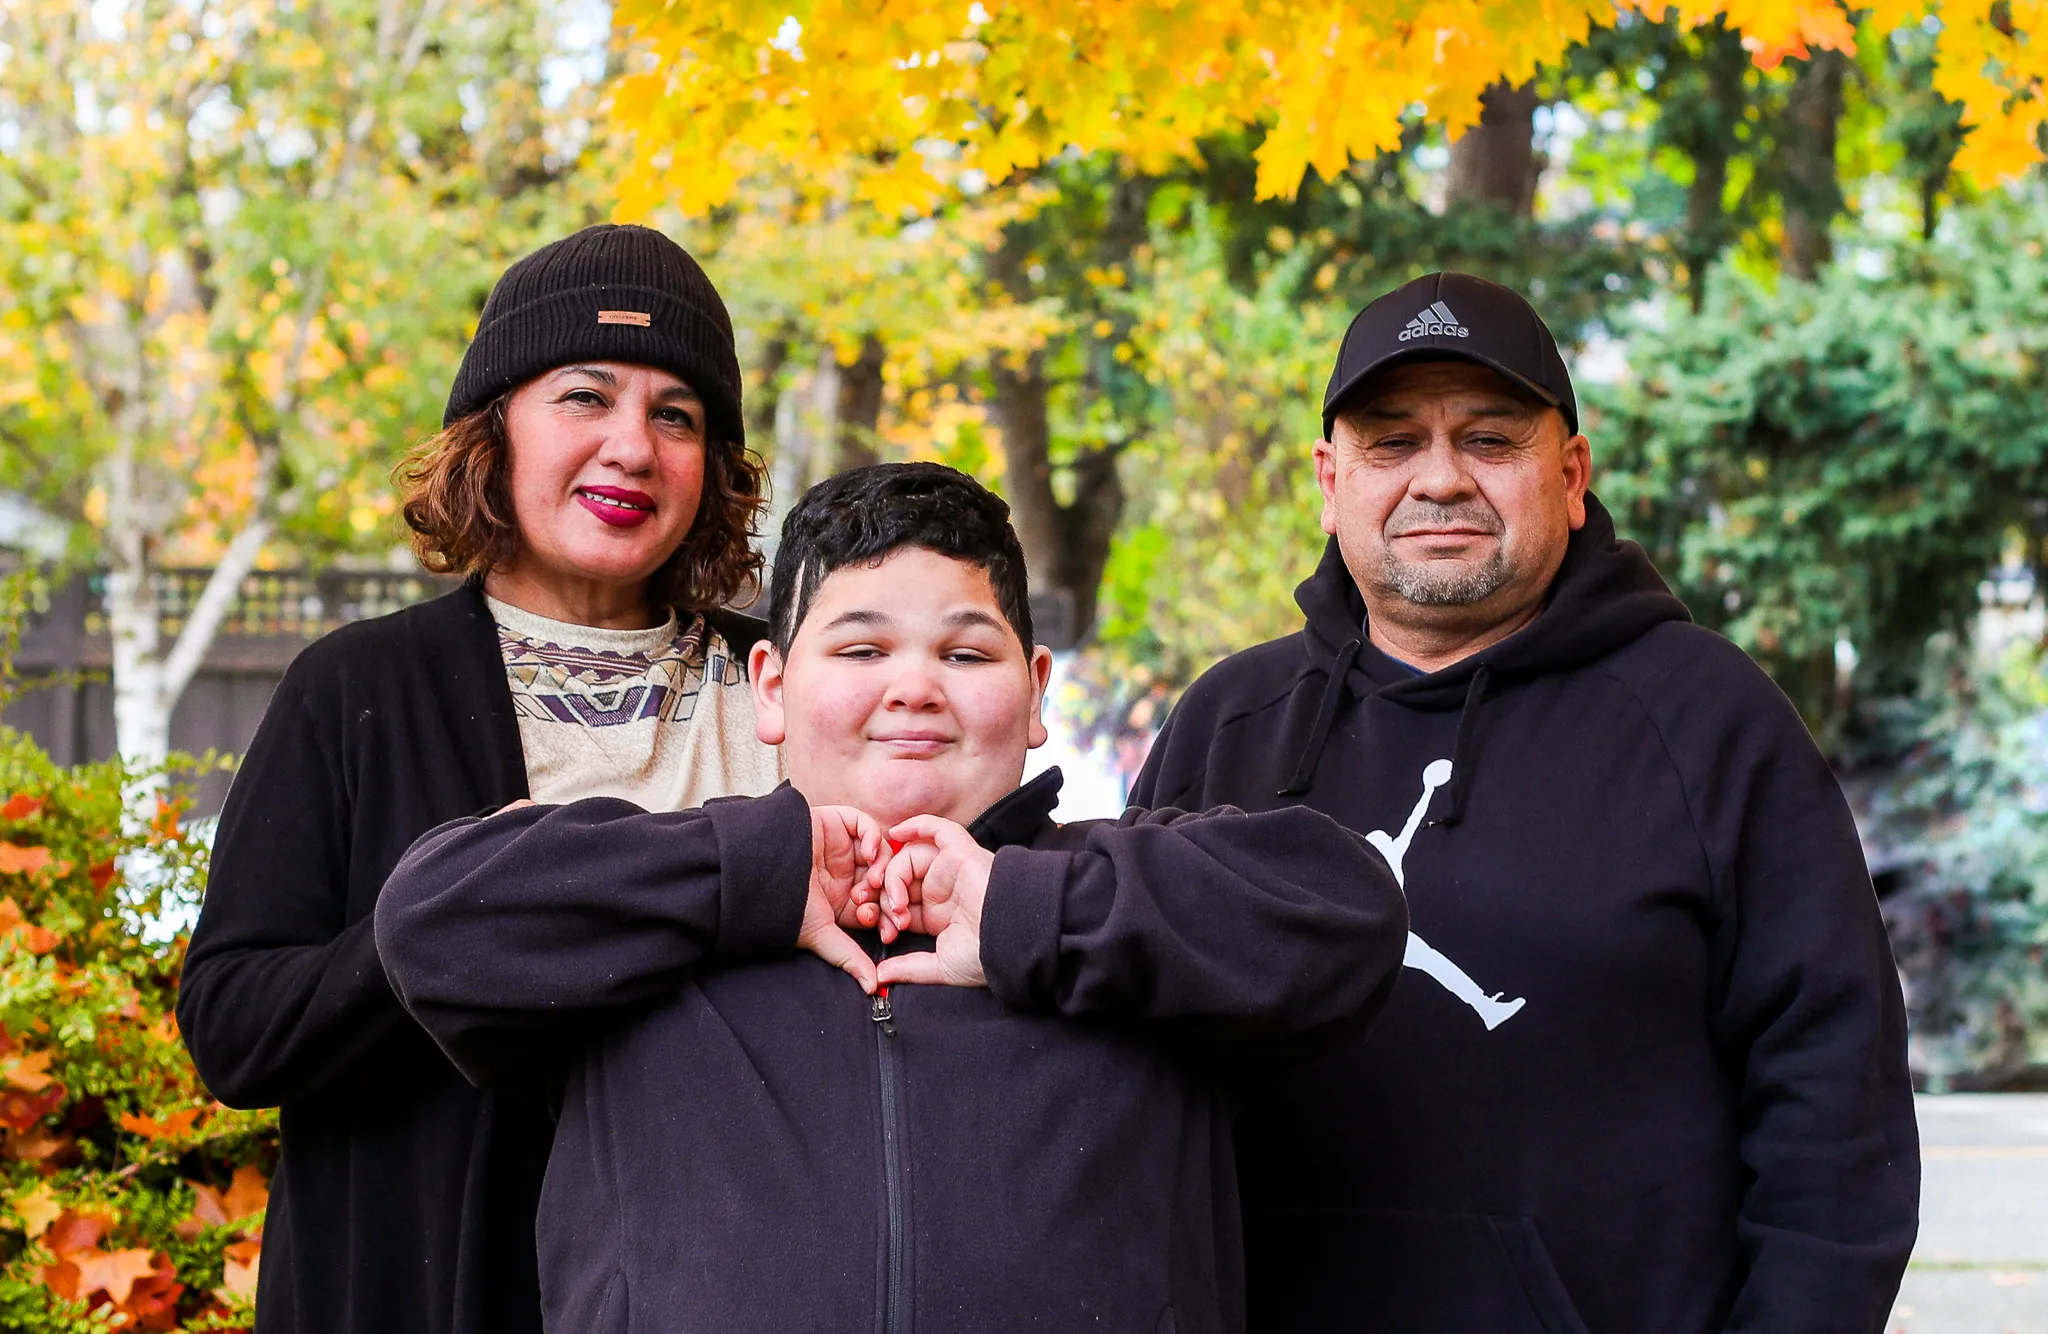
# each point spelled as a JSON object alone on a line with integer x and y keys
{"x": 129, "y": 1198}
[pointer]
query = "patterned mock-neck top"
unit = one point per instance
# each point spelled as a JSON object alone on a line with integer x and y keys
{"x": 662, "y": 717}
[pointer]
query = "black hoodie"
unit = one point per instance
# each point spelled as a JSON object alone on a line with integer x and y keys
{"x": 760, "y": 1148}
{"x": 1645, "y": 1070}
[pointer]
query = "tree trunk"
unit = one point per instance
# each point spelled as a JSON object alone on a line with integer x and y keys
{"x": 142, "y": 718}
{"x": 1812, "y": 191}
{"x": 1710, "y": 142}
{"x": 1065, "y": 546}
{"x": 1020, "y": 414}
{"x": 859, "y": 412}
{"x": 1495, "y": 162}
{"x": 148, "y": 679}
{"x": 766, "y": 396}
{"x": 795, "y": 462}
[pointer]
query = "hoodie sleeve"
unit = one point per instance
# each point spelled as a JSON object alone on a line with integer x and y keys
{"x": 497, "y": 931}
{"x": 1808, "y": 1015}
{"x": 1225, "y": 926}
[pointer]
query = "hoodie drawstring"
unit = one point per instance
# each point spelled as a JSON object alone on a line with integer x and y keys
{"x": 1326, "y": 713}
{"x": 1461, "y": 750}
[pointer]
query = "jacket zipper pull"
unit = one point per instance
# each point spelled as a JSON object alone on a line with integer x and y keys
{"x": 880, "y": 1011}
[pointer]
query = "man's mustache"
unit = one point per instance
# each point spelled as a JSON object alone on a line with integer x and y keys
{"x": 1411, "y": 518}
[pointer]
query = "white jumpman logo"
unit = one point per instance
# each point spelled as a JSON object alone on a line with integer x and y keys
{"x": 1492, "y": 1010}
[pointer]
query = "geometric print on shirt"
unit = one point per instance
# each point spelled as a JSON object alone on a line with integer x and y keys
{"x": 598, "y": 688}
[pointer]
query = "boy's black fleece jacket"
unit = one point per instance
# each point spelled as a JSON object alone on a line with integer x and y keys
{"x": 744, "y": 1145}
{"x": 1646, "y": 1067}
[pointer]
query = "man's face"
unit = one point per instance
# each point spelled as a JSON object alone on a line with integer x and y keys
{"x": 1451, "y": 495}
{"x": 905, "y": 691}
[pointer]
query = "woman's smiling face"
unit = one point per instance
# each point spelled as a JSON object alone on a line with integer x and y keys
{"x": 607, "y": 470}
{"x": 905, "y": 692}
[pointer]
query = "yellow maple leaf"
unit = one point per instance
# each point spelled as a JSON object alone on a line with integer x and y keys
{"x": 37, "y": 1209}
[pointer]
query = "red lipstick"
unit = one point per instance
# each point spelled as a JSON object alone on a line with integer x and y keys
{"x": 618, "y": 506}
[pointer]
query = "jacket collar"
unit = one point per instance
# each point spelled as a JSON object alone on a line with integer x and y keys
{"x": 1019, "y": 817}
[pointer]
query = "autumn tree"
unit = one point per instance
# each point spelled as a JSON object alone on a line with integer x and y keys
{"x": 241, "y": 243}
{"x": 926, "y": 95}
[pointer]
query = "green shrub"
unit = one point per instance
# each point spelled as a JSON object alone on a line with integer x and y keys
{"x": 1961, "y": 822}
{"x": 129, "y": 1198}
{"x": 1834, "y": 466}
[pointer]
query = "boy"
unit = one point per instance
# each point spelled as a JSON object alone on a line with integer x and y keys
{"x": 746, "y": 1142}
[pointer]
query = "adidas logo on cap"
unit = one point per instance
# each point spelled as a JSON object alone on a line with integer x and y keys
{"x": 1436, "y": 319}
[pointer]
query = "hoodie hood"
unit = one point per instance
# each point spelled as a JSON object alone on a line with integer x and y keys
{"x": 1606, "y": 595}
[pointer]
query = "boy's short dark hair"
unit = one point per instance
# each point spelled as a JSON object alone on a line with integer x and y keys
{"x": 862, "y": 515}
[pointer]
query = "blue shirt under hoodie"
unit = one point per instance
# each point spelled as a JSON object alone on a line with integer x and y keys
{"x": 747, "y": 1144}
{"x": 1645, "y": 1070}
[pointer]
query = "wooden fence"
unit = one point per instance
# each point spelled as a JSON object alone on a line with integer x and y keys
{"x": 277, "y": 613}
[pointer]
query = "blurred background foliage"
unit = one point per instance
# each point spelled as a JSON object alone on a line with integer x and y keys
{"x": 129, "y": 1198}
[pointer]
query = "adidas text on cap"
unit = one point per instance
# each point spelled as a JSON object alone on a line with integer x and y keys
{"x": 1452, "y": 317}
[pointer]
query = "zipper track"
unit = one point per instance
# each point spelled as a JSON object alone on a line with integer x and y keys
{"x": 895, "y": 1315}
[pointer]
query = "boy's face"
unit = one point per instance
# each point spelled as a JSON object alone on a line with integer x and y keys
{"x": 905, "y": 691}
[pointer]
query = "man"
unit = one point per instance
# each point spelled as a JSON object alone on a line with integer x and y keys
{"x": 1646, "y": 1067}
{"x": 746, "y": 1141}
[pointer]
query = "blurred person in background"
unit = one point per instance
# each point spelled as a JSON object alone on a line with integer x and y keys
{"x": 1646, "y": 1068}
{"x": 592, "y": 487}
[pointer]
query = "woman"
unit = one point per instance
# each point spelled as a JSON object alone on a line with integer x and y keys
{"x": 593, "y": 487}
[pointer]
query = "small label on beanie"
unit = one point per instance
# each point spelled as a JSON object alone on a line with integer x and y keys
{"x": 638, "y": 317}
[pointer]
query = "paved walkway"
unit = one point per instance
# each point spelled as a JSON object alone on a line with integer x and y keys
{"x": 1982, "y": 1263}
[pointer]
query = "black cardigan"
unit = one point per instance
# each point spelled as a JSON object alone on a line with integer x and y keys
{"x": 404, "y": 1199}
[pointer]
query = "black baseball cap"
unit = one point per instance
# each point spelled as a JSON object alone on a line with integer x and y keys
{"x": 1452, "y": 317}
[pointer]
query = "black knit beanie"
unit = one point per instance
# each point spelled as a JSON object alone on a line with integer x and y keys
{"x": 608, "y": 293}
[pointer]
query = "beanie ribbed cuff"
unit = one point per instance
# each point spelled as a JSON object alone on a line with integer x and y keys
{"x": 584, "y": 298}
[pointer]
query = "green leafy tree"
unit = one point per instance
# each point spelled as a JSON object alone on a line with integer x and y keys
{"x": 1827, "y": 471}
{"x": 241, "y": 244}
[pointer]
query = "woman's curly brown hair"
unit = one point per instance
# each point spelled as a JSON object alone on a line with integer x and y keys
{"x": 457, "y": 494}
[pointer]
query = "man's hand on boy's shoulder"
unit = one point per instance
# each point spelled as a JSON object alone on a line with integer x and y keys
{"x": 941, "y": 875}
